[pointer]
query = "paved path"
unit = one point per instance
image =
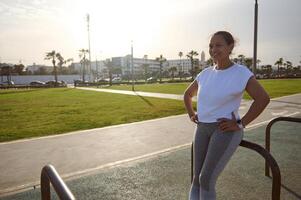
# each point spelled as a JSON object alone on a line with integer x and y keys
{"x": 82, "y": 152}
{"x": 137, "y": 93}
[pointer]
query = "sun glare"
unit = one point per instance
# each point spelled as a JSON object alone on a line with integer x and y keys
{"x": 113, "y": 24}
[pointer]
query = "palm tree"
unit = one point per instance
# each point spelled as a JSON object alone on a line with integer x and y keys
{"x": 289, "y": 66}
{"x": 161, "y": 60}
{"x": 241, "y": 59}
{"x": 53, "y": 56}
{"x": 190, "y": 56}
{"x": 5, "y": 70}
{"x": 209, "y": 62}
{"x": 235, "y": 60}
{"x": 279, "y": 64}
{"x": 62, "y": 61}
{"x": 283, "y": 68}
{"x": 248, "y": 62}
{"x": 84, "y": 61}
{"x": 172, "y": 70}
{"x": 181, "y": 68}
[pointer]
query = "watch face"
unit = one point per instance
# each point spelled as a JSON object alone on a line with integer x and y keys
{"x": 240, "y": 126}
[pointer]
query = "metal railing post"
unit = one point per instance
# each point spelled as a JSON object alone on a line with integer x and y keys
{"x": 50, "y": 175}
{"x": 192, "y": 162}
{"x": 276, "y": 184}
{"x": 268, "y": 135}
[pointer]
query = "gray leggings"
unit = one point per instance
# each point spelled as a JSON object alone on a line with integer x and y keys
{"x": 212, "y": 151}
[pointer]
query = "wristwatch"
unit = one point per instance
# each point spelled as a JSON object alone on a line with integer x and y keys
{"x": 240, "y": 125}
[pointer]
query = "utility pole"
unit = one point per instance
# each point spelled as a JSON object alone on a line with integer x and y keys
{"x": 96, "y": 69}
{"x": 132, "y": 65}
{"x": 88, "y": 24}
{"x": 255, "y": 38}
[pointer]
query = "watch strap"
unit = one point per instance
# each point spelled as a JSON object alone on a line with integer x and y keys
{"x": 239, "y": 123}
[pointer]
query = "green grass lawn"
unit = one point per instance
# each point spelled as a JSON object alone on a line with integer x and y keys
{"x": 274, "y": 87}
{"x": 40, "y": 112}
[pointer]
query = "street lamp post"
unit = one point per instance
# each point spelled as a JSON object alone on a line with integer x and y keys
{"x": 88, "y": 24}
{"x": 132, "y": 66}
{"x": 96, "y": 69}
{"x": 255, "y": 38}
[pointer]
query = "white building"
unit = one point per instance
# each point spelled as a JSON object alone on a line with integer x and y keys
{"x": 95, "y": 66}
{"x": 35, "y": 68}
{"x": 126, "y": 68}
{"x": 203, "y": 60}
{"x": 183, "y": 65}
{"x": 153, "y": 66}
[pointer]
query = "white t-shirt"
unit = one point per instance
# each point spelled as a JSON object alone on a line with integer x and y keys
{"x": 220, "y": 92}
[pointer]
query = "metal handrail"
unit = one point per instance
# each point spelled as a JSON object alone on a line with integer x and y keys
{"x": 268, "y": 135}
{"x": 50, "y": 175}
{"x": 276, "y": 185}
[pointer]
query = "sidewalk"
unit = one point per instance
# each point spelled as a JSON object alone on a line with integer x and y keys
{"x": 83, "y": 152}
{"x": 167, "y": 176}
{"x": 138, "y": 93}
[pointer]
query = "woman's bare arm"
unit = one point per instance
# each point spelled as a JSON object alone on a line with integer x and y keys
{"x": 261, "y": 100}
{"x": 188, "y": 95}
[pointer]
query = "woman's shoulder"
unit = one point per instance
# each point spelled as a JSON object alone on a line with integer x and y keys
{"x": 207, "y": 69}
{"x": 204, "y": 72}
{"x": 243, "y": 70}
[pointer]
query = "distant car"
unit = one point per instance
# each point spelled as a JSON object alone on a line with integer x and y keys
{"x": 50, "y": 83}
{"x": 102, "y": 81}
{"x": 151, "y": 80}
{"x": 63, "y": 83}
{"x": 79, "y": 81}
{"x": 8, "y": 83}
{"x": 53, "y": 83}
{"x": 116, "y": 80}
{"x": 36, "y": 83}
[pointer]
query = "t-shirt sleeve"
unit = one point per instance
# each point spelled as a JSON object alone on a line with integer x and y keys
{"x": 246, "y": 75}
{"x": 199, "y": 77}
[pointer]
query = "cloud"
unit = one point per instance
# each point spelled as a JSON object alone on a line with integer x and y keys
{"x": 19, "y": 9}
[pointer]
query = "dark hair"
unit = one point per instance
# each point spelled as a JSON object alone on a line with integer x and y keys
{"x": 227, "y": 36}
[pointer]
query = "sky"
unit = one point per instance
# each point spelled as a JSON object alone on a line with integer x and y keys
{"x": 30, "y": 28}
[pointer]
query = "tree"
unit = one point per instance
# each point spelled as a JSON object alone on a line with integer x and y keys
{"x": 248, "y": 62}
{"x": 6, "y": 71}
{"x": 172, "y": 70}
{"x": 235, "y": 60}
{"x": 241, "y": 59}
{"x": 52, "y": 56}
{"x": 267, "y": 69}
{"x": 279, "y": 64}
{"x": 161, "y": 60}
{"x": 181, "y": 68}
{"x": 84, "y": 61}
{"x": 41, "y": 71}
{"x": 18, "y": 69}
{"x": 209, "y": 62}
{"x": 191, "y": 55}
{"x": 62, "y": 61}
{"x": 289, "y": 66}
